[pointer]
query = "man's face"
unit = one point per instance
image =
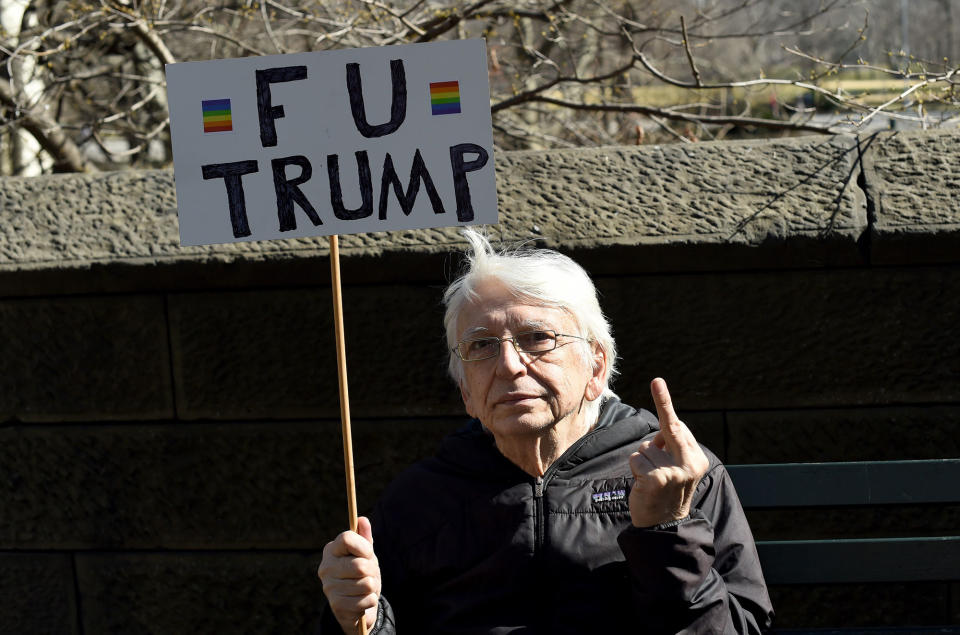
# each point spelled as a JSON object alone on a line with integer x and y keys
{"x": 517, "y": 394}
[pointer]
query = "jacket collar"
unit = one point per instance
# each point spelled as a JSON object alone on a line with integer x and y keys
{"x": 473, "y": 450}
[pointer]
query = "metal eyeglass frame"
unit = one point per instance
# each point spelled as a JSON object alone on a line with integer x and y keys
{"x": 513, "y": 340}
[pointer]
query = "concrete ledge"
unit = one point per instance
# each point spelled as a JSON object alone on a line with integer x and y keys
{"x": 736, "y": 205}
{"x": 792, "y": 203}
{"x": 911, "y": 182}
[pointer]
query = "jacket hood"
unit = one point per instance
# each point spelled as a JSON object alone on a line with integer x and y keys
{"x": 619, "y": 424}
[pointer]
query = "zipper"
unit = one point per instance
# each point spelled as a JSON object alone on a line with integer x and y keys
{"x": 540, "y": 484}
{"x": 538, "y": 519}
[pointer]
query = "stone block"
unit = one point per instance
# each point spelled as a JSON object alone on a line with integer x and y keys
{"x": 195, "y": 486}
{"x": 90, "y": 230}
{"x": 708, "y": 428}
{"x": 772, "y": 197}
{"x": 384, "y": 448}
{"x": 860, "y": 605}
{"x": 173, "y": 593}
{"x": 789, "y": 339}
{"x": 75, "y": 219}
{"x": 83, "y": 359}
{"x": 723, "y": 341}
{"x": 909, "y": 180}
{"x": 37, "y": 594}
{"x": 860, "y": 434}
{"x": 271, "y": 354}
{"x": 706, "y": 206}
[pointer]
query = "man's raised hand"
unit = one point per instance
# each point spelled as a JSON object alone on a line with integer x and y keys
{"x": 666, "y": 469}
{"x": 351, "y": 577}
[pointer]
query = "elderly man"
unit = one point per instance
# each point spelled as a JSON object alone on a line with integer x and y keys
{"x": 558, "y": 509}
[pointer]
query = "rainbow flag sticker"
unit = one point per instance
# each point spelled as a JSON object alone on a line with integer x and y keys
{"x": 445, "y": 98}
{"x": 216, "y": 115}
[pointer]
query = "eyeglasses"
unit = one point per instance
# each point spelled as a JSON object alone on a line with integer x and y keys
{"x": 480, "y": 348}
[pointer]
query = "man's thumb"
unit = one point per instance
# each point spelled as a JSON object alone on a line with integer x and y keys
{"x": 364, "y": 528}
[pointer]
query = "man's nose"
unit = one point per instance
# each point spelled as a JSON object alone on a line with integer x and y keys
{"x": 510, "y": 360}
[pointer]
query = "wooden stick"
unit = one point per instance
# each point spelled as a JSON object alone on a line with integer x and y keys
{"x": 344, "y": 396}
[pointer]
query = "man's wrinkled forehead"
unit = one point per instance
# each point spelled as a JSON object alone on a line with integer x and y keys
{"x": 514, "y": 326}
{"x": 516, "y": 316}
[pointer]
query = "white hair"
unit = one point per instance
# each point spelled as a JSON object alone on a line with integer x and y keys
{"x": 542, "y": 276}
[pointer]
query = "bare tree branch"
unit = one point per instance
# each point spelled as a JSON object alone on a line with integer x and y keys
{"x": 49, "y": 135}
{"x": 686, "y": 47}
{"x": 563, "y": 73}
{"x": 528, "y": 95}
{"x": 443, "y": 24}
{"x": 269, "y": 30}
{"x": 666, "y": 113}
{"x": 153, "y": 42}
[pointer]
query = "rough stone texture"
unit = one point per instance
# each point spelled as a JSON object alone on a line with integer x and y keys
{"x": 37, "y": 594}
{"x": 911, "y": 182}
{"x": 233, "y": 486}
{"x": 873, "y": 434}
{"x": 79, "y": 219}
{"x": 860, "y": 605}
{"x": 789, "y": 339}
{"x": 199, "y": 593}
{"x": 271, "y": 354}
{"x": 742, "y": 193}
{"x": 69, "y": 359}
{"x": 791, "y": 202}
{"x": 76, "y": 221}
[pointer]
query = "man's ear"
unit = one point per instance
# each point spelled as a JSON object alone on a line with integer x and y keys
{"x": 598, "y": 363}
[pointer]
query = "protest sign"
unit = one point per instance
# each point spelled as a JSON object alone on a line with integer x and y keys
{"x": 328, "y": 143}
{"x": 332, "y": 142}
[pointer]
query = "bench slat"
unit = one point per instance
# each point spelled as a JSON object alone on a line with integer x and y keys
{"x": 871, "y": 630}
{"x": 860, "y": 560}
{"x": 844, "y": 483}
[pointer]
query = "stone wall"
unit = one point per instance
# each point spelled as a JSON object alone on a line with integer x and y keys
{"x": 170, "y": 455}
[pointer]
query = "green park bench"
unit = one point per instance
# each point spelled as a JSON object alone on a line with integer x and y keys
{"x": 900, "y": 559}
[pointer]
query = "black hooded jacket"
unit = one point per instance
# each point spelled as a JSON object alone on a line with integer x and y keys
{"x": 468, "y": 543}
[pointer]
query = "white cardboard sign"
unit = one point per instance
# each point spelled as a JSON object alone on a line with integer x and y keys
{"x": 333, "y": 142}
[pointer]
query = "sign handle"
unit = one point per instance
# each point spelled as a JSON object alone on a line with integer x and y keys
{"x": 344, "y": 396}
